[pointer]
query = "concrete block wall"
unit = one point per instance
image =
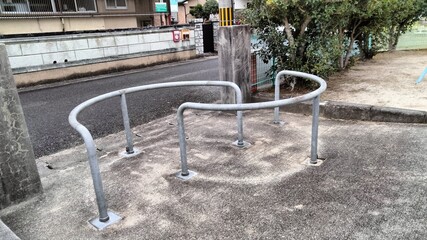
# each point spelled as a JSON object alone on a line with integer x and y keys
{"x": 198, "y": 35}
{"x": 39, "y": 53}
{"x": 198, "y": 32}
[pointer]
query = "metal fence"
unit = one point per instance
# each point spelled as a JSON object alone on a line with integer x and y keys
{"x": 260, "y": 77}
{"x": 415, "y": 39}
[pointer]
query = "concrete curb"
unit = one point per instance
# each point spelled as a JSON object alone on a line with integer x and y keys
{"x": 354, "y": 111}
{"x": 6, "y": 233}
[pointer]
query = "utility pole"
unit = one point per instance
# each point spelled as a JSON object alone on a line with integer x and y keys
{"x": 226, "y": 12}
{"x": 234, "y": 53}
{"x": 19, "y": 178}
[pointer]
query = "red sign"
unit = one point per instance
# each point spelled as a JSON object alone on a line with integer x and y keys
{"x": 176, "y": 35}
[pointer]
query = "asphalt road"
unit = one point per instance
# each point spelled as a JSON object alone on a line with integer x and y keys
{"x": 47, "y": 107}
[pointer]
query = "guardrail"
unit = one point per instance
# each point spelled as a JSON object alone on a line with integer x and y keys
{"x": 185, "y": 174}
{"x": 104, "y": 216}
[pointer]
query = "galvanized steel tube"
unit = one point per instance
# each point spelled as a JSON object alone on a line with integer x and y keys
{"x": 277, "y": 87}
{"x": 315, "y": 130}
{"x": 90, "y": 145}
{"x": 277, "y": 97}
{"x": 126, "y": 124}
{"x": 94, "y": 170}
{"x": 255, "y": 106}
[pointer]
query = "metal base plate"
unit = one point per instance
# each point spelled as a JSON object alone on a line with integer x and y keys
{"x": 185, "y": 178}
{"x": 245, "y": 144}
{"x": 279, "y": 122}
{"x": 307, "y": 162}
{"x": 124, "y": 154}
{"x": 101, "y": 225}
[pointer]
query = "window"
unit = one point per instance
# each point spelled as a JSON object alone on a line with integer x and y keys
{"x": 14, "y": 6}
{"x": 116, "y": 4}
{"x": 40, "y": 6}
{"x": 46, "y": 6}
{"x": 77, "y": 5}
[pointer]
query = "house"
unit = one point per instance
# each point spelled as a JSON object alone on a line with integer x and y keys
{"x": 101, "y": 36}
{"x": 45, "y": 16}
{"x": 184, "y": 7}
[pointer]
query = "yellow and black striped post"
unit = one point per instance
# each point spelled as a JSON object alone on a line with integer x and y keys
{"x": 226, "y": 12}
{"x": 226, "y": 16}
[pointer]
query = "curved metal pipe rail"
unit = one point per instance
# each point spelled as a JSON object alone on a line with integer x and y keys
{"x": 277, "y": 88}
{"x": 315, "y": 95}
{"x": 90, "y": 145}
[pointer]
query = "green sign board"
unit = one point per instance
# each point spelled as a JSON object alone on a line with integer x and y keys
{"x": 161, "y": 7}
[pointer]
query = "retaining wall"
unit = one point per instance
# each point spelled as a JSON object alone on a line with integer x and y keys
{"x": 35, "y": 54}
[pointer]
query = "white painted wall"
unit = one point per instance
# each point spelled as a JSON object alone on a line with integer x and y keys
{"x": 33, "y": 52}
{"x": 240, "y": 4}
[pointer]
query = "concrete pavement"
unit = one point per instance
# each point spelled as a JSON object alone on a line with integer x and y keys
{"x": 372, "y": 184}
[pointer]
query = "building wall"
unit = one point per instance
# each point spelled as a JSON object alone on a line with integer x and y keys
{"x": 120, "y": 22}
{"x": 182, "y": 12}
{"x": 43, "y": 76}
{"x": 23, "y": 26}
{"x": 103, "y": 9}
{"x": 241, "y": 4}
{"x": 34, "y": 25}
{"x": 82, "y": 24}
{"x": 160, "y": 20}
{"x": 102, "y": 20}
{"x": 145, "y": 7}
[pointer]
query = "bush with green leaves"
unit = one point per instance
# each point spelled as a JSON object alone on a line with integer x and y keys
{"x": 323, "y": 36}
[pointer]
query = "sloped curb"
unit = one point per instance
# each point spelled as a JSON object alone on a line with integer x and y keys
{"x": 354, "y": 111}
{"x": 6, "y": 233}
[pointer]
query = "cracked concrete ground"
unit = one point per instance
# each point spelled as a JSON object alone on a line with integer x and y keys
{"x": 372, "y": 184}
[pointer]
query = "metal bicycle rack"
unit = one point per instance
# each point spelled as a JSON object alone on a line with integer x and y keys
{"x": 106, "y": 217}
{"x": 186, "y": 174}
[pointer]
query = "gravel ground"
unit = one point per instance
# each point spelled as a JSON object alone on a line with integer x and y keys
{"x": 388, "y": 81}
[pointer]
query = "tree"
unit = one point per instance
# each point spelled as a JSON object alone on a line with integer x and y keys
{"x": 323, "y": 36}
{"x": 210, "y": 7}
{"x": 363, "y": 21}
{"x": 297, "y": 33}
{"x": 204, "y": 11}
{"x": 197, "y": 11}
{"x": 403, "y": 14}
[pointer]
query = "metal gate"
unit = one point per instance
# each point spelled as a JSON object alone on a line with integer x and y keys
{"x": 208, "y": 38}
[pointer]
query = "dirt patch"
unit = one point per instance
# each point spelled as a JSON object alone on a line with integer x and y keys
{"x": 387, "y": 80}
